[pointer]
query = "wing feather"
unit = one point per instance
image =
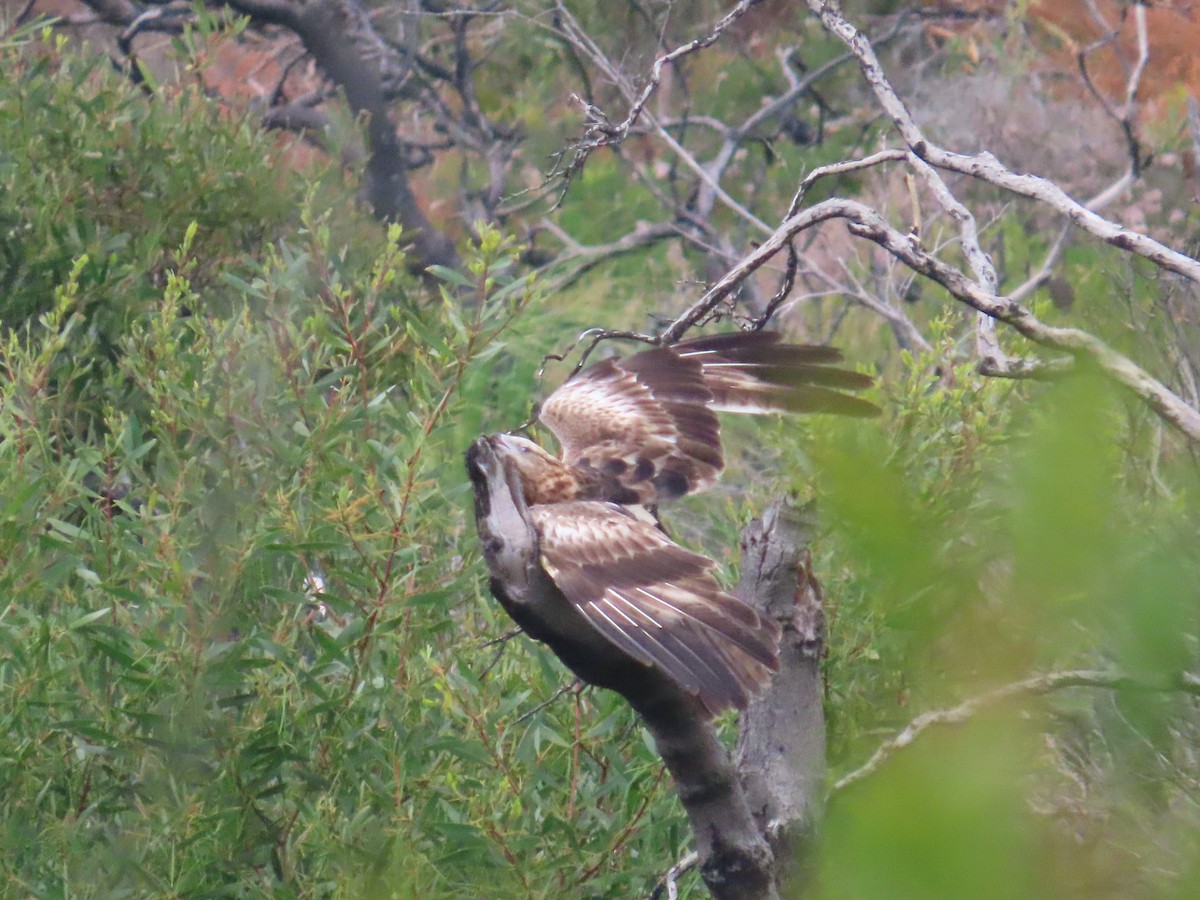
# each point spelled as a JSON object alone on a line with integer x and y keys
{"x": 647, "y": 422}
{"x": 754, "y": 372}
{"x": 655, "y": 601}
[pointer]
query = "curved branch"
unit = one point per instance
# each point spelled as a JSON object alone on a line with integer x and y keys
{"x": 869, "y": 224}
{"x": 736, "y": 860}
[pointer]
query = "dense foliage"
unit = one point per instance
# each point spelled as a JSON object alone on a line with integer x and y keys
{"x": 245, "y": 645}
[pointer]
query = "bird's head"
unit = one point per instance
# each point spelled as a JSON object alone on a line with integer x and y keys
{"x": 545, "y": 477}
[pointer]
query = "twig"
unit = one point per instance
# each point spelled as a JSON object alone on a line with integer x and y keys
{"x": 785, "y": 289}
{"x": 670, "y": 882}
{"x": 500, "y": 643}
{"x": 1126, "y": 115}
{"x": 987, "y": 347}
{"x": 565, "y": 689}
{"x": 1039, "y": 684}
{"x": 841, "y": 168}
{"x": 601, "y": 133}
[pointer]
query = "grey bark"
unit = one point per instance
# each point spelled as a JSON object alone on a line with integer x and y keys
{"x": 781, "y": 748}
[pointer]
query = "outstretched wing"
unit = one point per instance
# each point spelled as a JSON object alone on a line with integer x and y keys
{"x": 647, "y": 423}
{"x": 752, "y": 372}
{"x": 643, "y": 421}
{"x": 655, "y": 601}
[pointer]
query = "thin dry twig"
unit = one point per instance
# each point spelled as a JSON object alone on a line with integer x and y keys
{"x": 1036, "y": 685}
{"x": 575, "y": 684}
{"x": 600, "y": 132}
{"x": 670, "y": 882}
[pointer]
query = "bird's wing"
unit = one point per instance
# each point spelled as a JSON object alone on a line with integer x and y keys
{"x": 754, "y": 372}
{"x": 647, "y": 421}
{"x": 642, "y": 421}
{"x": 655, "y": 601}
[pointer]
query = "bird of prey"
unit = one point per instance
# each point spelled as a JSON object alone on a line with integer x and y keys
{"x": 629, "y": 605}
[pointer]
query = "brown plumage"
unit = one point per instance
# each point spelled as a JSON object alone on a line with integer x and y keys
{"x": 643, "y": 428}
{"x": 655, "y": 601}
{"x": 638, "y": 430}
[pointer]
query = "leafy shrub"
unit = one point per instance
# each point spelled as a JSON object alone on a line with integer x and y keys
{"x": 98, "y": 181}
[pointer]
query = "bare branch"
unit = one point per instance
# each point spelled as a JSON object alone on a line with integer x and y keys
{"x": 601, "y": 133}
{"x": 781, "y": 745}
{"x": 908, "y": 336}
{"x": 986, "y": 167}
{"x": 340, "y": 37}
{"x": 580, "y": 259}
{"x": 1039, "y": 684}
{"x": 867, "y": 223}
{"x": 782, "y": 293}
{"x": 1046, "y": 269}
{"x": 840, "y": 168}
{"x": 670, "y": 883}
{"x": 1125, "y": 116}
{"x": 987, "y": 347}
{"x": 1036, "y": 369}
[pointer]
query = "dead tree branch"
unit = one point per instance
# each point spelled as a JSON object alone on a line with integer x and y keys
{"x": 341, "y": 38}
{"x": 867, "y": 223}
{"x": 986, "y": 167}
{"x": 600, "y": 132}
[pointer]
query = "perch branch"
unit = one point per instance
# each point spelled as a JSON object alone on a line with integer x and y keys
{"x": 736, "y": 861}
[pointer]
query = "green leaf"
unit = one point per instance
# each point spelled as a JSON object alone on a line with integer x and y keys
{"x": 87, "y": 619}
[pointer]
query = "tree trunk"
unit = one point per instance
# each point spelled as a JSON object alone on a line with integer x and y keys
{"x": 781, "y": 749}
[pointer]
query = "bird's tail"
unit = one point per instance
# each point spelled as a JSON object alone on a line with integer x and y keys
{"x": 753, "y": 372}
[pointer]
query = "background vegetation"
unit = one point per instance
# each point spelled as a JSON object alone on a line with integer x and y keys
{"x": 245, "y": 644}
